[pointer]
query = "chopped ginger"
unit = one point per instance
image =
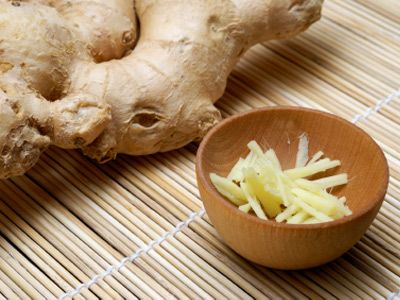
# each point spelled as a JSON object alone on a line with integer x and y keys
{"x": 257, "y": 183}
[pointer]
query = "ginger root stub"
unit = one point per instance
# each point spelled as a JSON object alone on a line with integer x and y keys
{"x": 79, "y": 74}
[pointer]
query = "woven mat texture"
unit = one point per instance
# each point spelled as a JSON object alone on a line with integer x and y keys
{"x": 136, "y": 228}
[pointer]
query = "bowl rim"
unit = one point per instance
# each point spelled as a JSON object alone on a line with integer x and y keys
{"x": 377, "y": 198}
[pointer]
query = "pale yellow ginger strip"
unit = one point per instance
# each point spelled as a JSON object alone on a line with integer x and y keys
{"x": 315, "y": 168}
{"x": 298, "y": 218}
{"x": 250, "y": 160}
{"x": 287, "y": 213}
{"x": 302, "y": 152}
{"x": 347, "y": 210}
{"x": 271, "y": 156}
{"x": 255, "y": 205}
{"x": 343, "y": 209}
{"x": 321, "y": 204}
{"x": 265, "y": 165}
{"x": 253, "y": 146}
{"x": 308, "y": 185}
{"x": 245, "y": 208}
{"x": 282, "y": 190}
{"x": 236, "y": 173}
{"x": 321, "y": 217}
{"x": 311, "y": 221}
{"x": 341, "y": 204}
{"x": 315, "y": 157}
{"x": 269, "y": 202}
{"x": 228, "y": 189}
{"x": 332, "y": 181}
{"x": 312, "y": 186}
{"x": 267, "y": 175}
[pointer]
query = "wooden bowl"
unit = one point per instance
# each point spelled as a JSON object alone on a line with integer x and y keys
{"x": 287, "y": 246}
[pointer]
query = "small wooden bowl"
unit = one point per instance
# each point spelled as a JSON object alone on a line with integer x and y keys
{"x": 286, "y": 246}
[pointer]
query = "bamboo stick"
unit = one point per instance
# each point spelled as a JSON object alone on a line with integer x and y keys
{"x": 134, "y": 230}
{"x": 28, "y": 238}
{"x": 13, "y": 285}
{"x": 373, "y": 288}
{"x": 106, "y": 232}
{"x": 6, "y": 291}
{"x": 22, "y": 282}
{"x": 46, "y": 287}
{"x": 70, "y": 246}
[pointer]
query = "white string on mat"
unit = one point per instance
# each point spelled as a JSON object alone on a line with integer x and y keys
{"x": 377, "y": 107}
{"x": 381, "y": 103}
{"x": 116, "y": 267}
{"x": 394, "y": 295}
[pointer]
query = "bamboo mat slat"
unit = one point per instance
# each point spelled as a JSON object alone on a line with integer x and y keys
{"x": 135, "y": 228}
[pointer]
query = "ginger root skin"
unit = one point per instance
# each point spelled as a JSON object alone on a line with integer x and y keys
{"x": 77, "y": 74}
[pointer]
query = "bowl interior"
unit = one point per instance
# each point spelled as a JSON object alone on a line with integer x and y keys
{"x": 279, "y": 128}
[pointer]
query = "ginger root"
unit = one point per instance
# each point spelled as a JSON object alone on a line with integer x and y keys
{"x": 78, "y": 74}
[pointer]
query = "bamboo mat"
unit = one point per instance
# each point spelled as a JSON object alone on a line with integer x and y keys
{"x": 135, "y": 228}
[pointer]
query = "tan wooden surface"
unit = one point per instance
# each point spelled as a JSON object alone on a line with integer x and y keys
{"x": 68, "y": 221}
